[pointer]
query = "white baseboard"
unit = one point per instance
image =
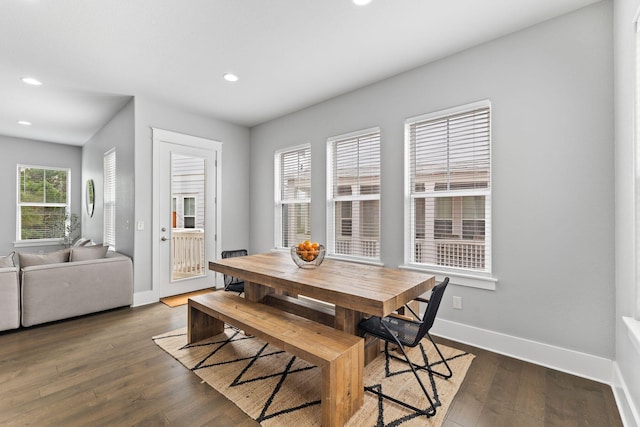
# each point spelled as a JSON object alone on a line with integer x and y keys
{"x": 628, "y": 411}
{"x": 558, "y": 358}
{"x": 144, "y": 298}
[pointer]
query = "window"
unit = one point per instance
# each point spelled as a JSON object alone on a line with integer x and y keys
{"x": 109, "y": 225}
{"x": 449, "y": 188}
{"x": 189, "y": 212}
{"x": 292, "y": 195}
{"x": 43, "y": 202}
{"x": 353, "y": 185}
{"x": 344, "y": 222}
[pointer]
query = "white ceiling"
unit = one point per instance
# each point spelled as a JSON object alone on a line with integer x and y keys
{"x": 92, "y": 55}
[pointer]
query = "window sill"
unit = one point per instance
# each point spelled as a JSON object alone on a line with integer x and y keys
{"x": 35, "y": 243}
{"x": 470, "y": 280}
{"x": 356, "y": 260}
{"x": 633, "y": 330}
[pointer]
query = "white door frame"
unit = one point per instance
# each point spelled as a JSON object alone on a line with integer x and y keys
{"x": 160, "y": 136}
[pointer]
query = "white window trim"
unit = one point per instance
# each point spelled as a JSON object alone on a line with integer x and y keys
{"x": 330, "y": 229}
{"x": 277, "y": 201}
{"x": 462, "y": 277}
{"x": 20, "y": 243}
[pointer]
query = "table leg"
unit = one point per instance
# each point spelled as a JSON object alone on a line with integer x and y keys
{"x": 255, "y": 292}
{"x": 415, "y": 306}
{"x": 347, "y": 320}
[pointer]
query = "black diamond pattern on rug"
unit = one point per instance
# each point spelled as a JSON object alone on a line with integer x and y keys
{"x": 245, "y": 375}
{"x": 275, "y": 386}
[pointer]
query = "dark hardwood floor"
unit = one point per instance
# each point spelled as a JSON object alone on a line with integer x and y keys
{"x": 104, "y": 370}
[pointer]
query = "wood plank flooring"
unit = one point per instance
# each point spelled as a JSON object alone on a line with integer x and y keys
{"x": 104, "y": 370}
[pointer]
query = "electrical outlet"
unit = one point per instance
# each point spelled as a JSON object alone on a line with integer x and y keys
{"x": 457, "y": 303}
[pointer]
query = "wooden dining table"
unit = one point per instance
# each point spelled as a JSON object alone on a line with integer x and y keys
{"x": 351, "y": 290}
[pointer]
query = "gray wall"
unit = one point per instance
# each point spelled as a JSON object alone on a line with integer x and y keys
{"x": 37, "y": 153}
{"x": 235, "y": 176}
{"x": 118, "y": 133}
{"x": 626, "y": 255}
{"x": 552, "y": 105}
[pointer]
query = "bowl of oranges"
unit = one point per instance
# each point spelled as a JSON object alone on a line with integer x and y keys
{"x": 307, "y": 254}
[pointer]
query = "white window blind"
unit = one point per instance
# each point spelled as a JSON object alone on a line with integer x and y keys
{"x": 449, "y": 188}
{"x": 109, "y": 198}
{"x": 292, "y": 196}
{"x": 353, "y": 183}
{"x": 43, "y": 202}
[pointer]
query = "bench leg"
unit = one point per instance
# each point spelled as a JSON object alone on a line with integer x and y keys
{"x": 343, "y": 387}
{"x": 201, "y": 325}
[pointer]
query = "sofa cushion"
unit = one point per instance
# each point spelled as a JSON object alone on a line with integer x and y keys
{"x": 84, "y": 253}
{"x": 28, "y": 260}
{"x": 7, "y": 261}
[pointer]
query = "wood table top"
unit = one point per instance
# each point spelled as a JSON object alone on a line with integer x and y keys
{"x": 365, "y": 288}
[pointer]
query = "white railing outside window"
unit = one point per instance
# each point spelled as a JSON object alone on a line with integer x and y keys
{"x": 452, "y": 253}
{"x": 188, "y": 252}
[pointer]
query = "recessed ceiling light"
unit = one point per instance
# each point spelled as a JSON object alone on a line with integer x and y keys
{"x": 31, "y": 81}
{"x": 24, "y": 123}
{"x": 230, "y": 77}
{"x": 361, "y": 2}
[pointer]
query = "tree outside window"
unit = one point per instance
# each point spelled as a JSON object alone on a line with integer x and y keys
{"x": 43, "y": 202}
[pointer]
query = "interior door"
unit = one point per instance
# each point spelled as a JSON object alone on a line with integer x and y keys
{"x": 185, "y": 212}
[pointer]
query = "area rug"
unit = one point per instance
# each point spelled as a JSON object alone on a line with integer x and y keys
{"x": 178, "y": 300}
{"x": 277, "y": 389}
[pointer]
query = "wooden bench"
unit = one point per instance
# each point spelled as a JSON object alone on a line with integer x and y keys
{"x": 339, "y": 355}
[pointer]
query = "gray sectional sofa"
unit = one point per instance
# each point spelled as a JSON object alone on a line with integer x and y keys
{"x": 68, "y": 287}
{"x": 59, "y": 291}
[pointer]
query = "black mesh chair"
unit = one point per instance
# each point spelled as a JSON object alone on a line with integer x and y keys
{"x": 408, "y": 333}
{"x": 231, "y": 283}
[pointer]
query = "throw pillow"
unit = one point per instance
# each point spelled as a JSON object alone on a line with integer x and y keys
{"x": 85, "y": 253}
{"x": 28, "y": 260}
{"x": 7, "y": 261}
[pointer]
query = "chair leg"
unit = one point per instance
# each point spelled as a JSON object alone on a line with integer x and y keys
{"x": 427, "y": 366}
{"x": 431, "y": 410}
{"x": 442, "y": 359}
